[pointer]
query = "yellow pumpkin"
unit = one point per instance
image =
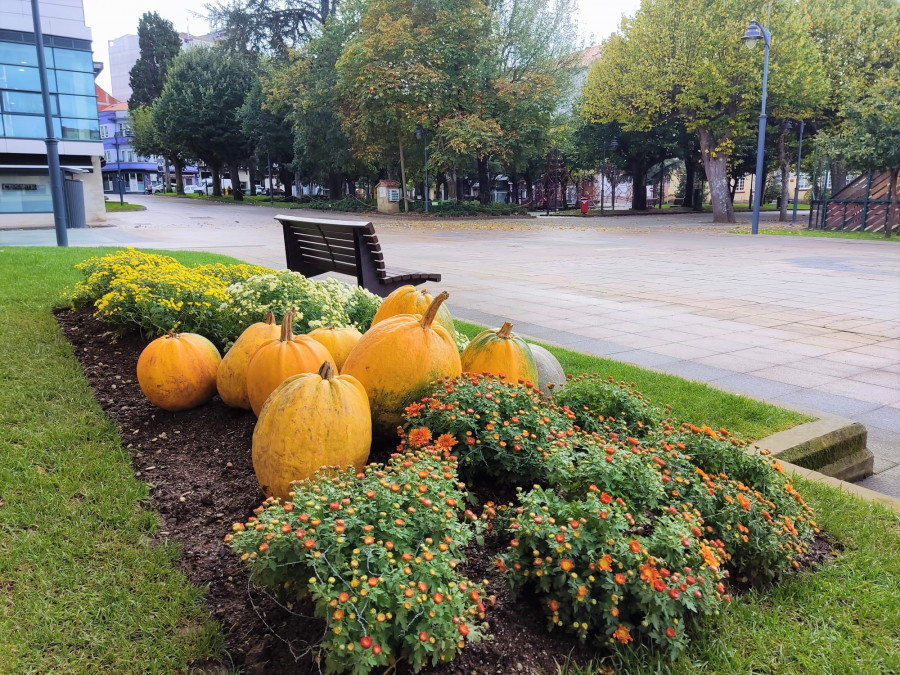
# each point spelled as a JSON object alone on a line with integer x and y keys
{"x": 280, "y": 358}
{"x": 338, "y": 341}
{"x": 500, "y": 352}
{"x": 398, "y": 360}
{"x": 178, "y": 371}
{"x": 231, "y": 380}
{"x": 412, "y": 300}
{"x": 310, "y": 421}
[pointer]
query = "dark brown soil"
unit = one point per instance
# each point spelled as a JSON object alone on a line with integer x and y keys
{"x": 198, "y": 466}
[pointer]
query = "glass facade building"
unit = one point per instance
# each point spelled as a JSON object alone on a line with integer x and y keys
{"x": 70, "y": 72}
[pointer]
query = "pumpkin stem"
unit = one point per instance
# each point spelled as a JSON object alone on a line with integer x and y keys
{"x": 431, "y": 312}
{"x": 287, "y": 333}
{"x": 270, "y": 318}
{"x": 505, "y": 330}
{"x": 326, "y": 372}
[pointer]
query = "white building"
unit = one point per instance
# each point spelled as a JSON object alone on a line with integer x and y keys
{"x": 124, "y": 52}
{"x": 24, "y": 179}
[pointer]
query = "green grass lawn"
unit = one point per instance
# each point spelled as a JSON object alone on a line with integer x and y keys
{"x": 257, "y": 200}
{"x": 691, "y": 401}
{"x": 116, "y": 206}
{"x": 828, "y": 234}
{"x": 85, "y": 591}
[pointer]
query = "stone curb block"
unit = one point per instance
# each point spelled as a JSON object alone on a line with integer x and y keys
{"x": 855, "y": 490}
{"x": 831, "y": 445}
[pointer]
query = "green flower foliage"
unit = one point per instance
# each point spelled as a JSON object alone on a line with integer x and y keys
{"x": 377, "y": 553}
{"x": 603, "y": 405}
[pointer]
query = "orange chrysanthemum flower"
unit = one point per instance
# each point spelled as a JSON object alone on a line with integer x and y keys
{"x": 445, "y": 441}
{"x": 622, "y": 634}
{"x": 419, "y": 437}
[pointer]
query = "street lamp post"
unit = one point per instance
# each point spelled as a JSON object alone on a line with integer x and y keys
{"x": 797, "y": 177}
{"x": 422, "y": 135}
{"x": 271, "y": 186}
{"x": 754, "y": 33}
{"x": 60, "y": 219}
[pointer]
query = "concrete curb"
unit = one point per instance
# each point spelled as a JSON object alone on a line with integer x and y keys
{"x": 855, "y": 490}
{"x": 831, "y": 445}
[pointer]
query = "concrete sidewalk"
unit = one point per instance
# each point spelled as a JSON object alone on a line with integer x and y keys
{"x": 803, "y": 321}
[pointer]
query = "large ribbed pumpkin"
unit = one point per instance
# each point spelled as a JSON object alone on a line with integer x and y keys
{"x": 338, "y": 341}
{"x": 398, "y": 361}
{"x": 502, "y": 353}
{"x": 231, "y": 380}
{"x": 178, "y": 371}
{"x": 280, "y": 358}
{"x": 551, "y": 376}
{"x": 311, "y": 420}
{"x": 412, "y": 300}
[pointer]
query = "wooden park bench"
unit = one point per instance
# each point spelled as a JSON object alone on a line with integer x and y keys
{"x": 317, "y": 245}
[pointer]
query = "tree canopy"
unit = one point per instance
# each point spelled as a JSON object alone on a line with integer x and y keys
{"x": 159, "y": 44}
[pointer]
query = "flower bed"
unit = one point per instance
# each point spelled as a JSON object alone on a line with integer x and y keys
{"x": 624, "y": 524}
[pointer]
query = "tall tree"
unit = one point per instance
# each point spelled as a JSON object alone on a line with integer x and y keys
{"x": 151, "y": 140}
{"x": 268, "y": 26}
{"x": 199, "y": 105}
{"x": 159, "y": 44}
{"x": 858, "y": 41}
{"x": 683, "y": 59}
{"x": 870, "y": 136}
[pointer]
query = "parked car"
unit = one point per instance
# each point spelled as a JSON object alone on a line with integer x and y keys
{"x": 191, "y": 189}
{"x": 155, "y": 188}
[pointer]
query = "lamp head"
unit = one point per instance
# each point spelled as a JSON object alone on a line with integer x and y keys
{"x": 614, "y": 144}
{"x": 753, "y": 34}
{"x": 420, "y": 131}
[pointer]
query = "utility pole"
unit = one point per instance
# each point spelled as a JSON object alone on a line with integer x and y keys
{"x": 56, "y": 186}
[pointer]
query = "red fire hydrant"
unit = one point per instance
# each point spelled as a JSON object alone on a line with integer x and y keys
{"x": 584, "y": 202}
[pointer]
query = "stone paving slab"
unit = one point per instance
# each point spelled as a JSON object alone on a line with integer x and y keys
{"x": 673, "y": 293}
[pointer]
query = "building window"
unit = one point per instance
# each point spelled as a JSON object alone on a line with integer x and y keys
{"x": 740, "y": 184}
{"x": 104, "y": 131}
{"x": 125, "y": 129}
{"x": 25, "y": 193}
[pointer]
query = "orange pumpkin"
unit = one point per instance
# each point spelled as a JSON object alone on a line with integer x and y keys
{"x": 398, "y": 361}
{"x": 310, "y": 421}
{"x": 231, "y": 380}
{"x": 502, "y": 353}
{"x": 338, "y": 341}
{"x": 412, "y": 300}
{"x": 178, "y": 371}
{"x": 280, "y": 358}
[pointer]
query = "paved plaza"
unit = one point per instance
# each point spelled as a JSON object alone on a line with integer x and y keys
{"x": 807, "y": 322}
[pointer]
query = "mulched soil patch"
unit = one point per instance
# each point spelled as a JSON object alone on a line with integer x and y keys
{"x": 199, "y": 468}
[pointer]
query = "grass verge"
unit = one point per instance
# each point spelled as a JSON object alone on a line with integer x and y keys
{"x": 691, "y": 401}
{"x": 828, "y": 234}
{"x": 84, "y": 589}
{"x": 116, "y": 206}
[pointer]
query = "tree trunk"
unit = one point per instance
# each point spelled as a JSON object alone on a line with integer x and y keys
{"x": 236, "y": 191}
{"x": 785, "y": 172}
{"x": 460, "y": 186}
{"x": 514, "y": 178}
{"x": 403, "y": 175}
{"x": 613, "y": 184}
{"x": 838, "y": 175}
{"x": 298, "y": 185}
{"x": 335, "y": 185}
{"x": 893, "y": 216}
{"x": 251, "y": 173}
{"x": 639, "y": 185}
{"x": 166, "y": 176}
{"x": 451, "y": 186}
{"x": 484, "y": 182}
{"x": 716, "y": 167}
{"x": 732, "y": 186}
{"x": 217, "y": 180}
{"x": 690, "y": 173}
{"x": 351, "y": 188}
{"x": 179, "y": 178}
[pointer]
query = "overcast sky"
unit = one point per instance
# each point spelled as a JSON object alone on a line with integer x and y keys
{"x": 109, "y": 20}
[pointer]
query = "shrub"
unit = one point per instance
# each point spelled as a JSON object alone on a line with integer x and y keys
{"x": 604, "y": 405}
{"x": 377, "y": 552}
{"x": 469, "y": 208}
{"x": 599, "y": 571}
{"x": 504, "y": 430}
{"x": 319, "y": 303}
{"x": 157, "y": 293}
{"x": 352, "y": 204}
